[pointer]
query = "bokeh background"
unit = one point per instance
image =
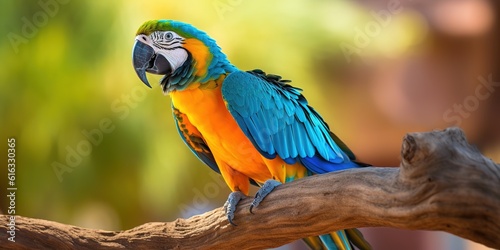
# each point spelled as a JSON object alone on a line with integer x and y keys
{"x": 96, "y": 148}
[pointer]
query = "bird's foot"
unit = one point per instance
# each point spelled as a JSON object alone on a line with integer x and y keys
{"x": 265, "y": 190}
{"x": 230, "y": 205}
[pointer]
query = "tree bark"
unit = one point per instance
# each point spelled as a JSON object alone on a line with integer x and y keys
{"x": 443, "y": 183}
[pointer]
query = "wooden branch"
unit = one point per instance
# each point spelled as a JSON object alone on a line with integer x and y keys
{"x": 443, "y": 184}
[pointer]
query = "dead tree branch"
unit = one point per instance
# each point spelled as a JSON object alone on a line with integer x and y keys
{"x": 443, "y": 184}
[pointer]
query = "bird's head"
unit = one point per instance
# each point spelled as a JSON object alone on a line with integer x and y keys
{"x": 180, "y": 52}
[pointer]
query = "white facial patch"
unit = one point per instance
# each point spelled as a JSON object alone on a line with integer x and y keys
{"x": 175, "y": 57}
{"x": 169, "y": 44}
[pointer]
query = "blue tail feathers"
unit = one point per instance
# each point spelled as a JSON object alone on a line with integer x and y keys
{"x": 340, "y": 240}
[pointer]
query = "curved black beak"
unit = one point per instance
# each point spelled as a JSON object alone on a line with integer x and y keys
{"x": 145, "y": 59}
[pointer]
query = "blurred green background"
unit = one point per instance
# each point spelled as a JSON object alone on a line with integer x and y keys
{"x": 96, "y": 148}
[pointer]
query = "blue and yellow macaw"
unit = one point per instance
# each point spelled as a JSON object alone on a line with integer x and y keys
{"x": 250, "y": 127}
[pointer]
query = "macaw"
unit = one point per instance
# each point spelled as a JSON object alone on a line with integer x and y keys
{"x": 249, "y": 126}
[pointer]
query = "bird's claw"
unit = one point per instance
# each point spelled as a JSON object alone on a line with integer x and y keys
{"x": 230, "y": 205}
{"x": 265, "y": 190}
{"x": 235, "y": 197}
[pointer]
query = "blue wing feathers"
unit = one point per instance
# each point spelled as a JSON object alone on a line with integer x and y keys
{"x": 319, "y": 165}
{"x": 307, "y": 148}
{"x": 278, "y": 120}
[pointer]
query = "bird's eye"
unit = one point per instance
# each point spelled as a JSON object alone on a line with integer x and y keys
{"x": 169, "y": 36}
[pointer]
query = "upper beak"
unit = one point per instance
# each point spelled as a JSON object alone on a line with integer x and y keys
{"x": 145, "y": 59}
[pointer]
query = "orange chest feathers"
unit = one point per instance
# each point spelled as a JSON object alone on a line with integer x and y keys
{"x": 206, "y": 110}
